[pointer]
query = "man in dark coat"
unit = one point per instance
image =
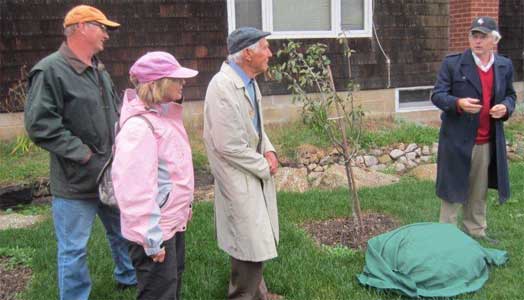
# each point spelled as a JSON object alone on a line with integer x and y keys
{"x": 475, "y": 92}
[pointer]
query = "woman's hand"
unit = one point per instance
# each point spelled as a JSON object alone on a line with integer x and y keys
{"x": 160, "y": 256}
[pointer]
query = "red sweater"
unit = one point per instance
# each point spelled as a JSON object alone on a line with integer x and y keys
{"x": 486, "y": 81}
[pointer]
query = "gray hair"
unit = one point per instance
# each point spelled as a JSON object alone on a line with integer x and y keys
{"x": 69, "y": 30}
{"x": 496, "y": 35}
{"x": 237, "y": 56}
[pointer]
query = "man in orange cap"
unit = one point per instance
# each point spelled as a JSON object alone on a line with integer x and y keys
{"x": 71, "y": 110}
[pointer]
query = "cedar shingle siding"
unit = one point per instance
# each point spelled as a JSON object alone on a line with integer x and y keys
{"x": 413, "y": 33}
{"x": 512, "y": 30}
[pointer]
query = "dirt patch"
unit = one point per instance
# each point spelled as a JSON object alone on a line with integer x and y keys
{"x": 12, "y": 280}
{"x": 10, "y": 221}
{"x": 344, "y": 232}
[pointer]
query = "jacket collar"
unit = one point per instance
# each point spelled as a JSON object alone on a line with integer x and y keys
{"x": 231, "y": 73}
{"x": 239, "y": 83}
{"x": 469, "y": 70}
{"x": 73, "y": 60}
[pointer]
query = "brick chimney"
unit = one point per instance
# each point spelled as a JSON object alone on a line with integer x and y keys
{"x": 461, "y": 14}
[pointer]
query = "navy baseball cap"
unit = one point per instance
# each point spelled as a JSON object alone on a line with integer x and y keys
{"x": 484, "y": 25}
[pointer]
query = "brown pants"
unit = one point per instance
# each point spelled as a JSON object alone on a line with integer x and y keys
{"x": 474, "y": 209}
{"x": 247, "y": 281}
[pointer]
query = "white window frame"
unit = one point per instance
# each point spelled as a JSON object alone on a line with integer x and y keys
{"x": 428, "y": 107}
{"x": 336, "y": 26}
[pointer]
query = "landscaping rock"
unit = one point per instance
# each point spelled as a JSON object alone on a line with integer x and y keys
{"x": 379, "y": 167}
{"x": 292, "y": 180}
{"x": 411, "y": 164}
{"x": 359, "y": 161}
{"x": 425, "y": 150}
{"x": 403, "y": 160}
{"x": 370, "y": 160}
{"x": 326, "y": 160}
{"x": 425, "y": 159}
{"x": 308, "y": 154}
{"x": 411, "y": 156}
{"x": 411, "y": 148}
{"x": 425, "y": 172}
{"x": 312, "y": 167}
{"x": 434, "y": 148}
{"x": 335, "y": 177}
{"x": 318, "y": 169}
{"x": 384, "y": 159}
{"x": 376, "y": 152}
{"x": 396, "y": 153}
{"x": 514, "y": 157}
{"x": 401, "y": 146}
{"x": 400, "y": 167}
{"x": 313, "y": 177}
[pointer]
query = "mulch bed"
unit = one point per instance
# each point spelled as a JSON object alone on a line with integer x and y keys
{"x": 344, "y": 231}
{"x": 12, "y": 280}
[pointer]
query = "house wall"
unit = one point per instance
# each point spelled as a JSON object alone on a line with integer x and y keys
{"x": 413, "y": 35}
{"x": 195, "y": 31}
{"x": 462, "y": 13}
{"x": 511, "y": 23}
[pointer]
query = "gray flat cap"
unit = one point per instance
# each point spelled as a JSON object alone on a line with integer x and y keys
{"x": 244, "y": 37}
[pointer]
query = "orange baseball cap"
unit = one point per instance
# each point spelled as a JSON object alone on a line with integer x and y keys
{"x": 86, "y": 13}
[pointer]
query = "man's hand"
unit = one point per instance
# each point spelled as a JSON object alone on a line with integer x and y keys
{"x": 272, "y": 161}
{"x": 160, "y": 256}
{"x": 498, "y": 111}
{"x": 469, "y": 105}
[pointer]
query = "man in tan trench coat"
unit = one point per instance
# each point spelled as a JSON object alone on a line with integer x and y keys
{"x": 242, "y": 160}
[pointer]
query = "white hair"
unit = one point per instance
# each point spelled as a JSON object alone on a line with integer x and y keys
{"x": 69, "y": 30}
{"x": 237, "y": 56}
{"x": 496, "y": 36}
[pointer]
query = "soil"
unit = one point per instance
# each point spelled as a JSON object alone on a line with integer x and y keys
{"x": 345, "y": 231}
{"x": 12, "y": 280}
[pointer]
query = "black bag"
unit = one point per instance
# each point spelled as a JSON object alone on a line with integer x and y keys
{"x": 106, "y": 191}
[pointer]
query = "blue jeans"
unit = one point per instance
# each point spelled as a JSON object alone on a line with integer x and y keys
{"x": 73, "y": 221}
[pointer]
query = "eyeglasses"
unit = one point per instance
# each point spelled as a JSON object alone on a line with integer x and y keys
{"x": 101, "y": 26}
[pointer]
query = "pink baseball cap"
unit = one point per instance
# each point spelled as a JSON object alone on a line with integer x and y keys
{"x": 158, "y": 64}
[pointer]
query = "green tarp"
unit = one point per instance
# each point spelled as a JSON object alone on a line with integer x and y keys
{"x": 428, "y": 260}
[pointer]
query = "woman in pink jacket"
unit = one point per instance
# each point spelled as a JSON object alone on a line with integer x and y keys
{"x": 152, "y": 174}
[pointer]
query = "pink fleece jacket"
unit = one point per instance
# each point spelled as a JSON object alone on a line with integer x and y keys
{"x": 152, "y": 173}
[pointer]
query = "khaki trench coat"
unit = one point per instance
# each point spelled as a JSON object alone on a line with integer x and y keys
{"x": 246, "y": 216}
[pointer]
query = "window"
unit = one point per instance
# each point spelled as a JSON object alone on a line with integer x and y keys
{"x": 303, "y": 19}
{"x": 414, "y": 99}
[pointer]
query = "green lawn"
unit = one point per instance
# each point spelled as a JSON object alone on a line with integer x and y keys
{"x": 302, "y": 270}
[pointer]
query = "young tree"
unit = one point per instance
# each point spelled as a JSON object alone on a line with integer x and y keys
{"x": 309, "y": 77}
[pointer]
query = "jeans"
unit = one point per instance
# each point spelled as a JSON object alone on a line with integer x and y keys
{"x": 73, "y": 221}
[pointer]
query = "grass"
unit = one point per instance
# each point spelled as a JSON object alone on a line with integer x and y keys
{"x": 303, "y": 270}
{"x": 20, "y": 168}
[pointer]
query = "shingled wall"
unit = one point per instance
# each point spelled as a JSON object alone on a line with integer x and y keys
{"x": 413, "y": 33}
{"x": 511, "y": 23}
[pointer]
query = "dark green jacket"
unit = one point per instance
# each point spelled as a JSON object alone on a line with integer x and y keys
{"x": 71, "y": 110}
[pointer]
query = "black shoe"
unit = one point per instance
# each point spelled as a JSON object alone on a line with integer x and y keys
{"x": 122, "y": 286}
